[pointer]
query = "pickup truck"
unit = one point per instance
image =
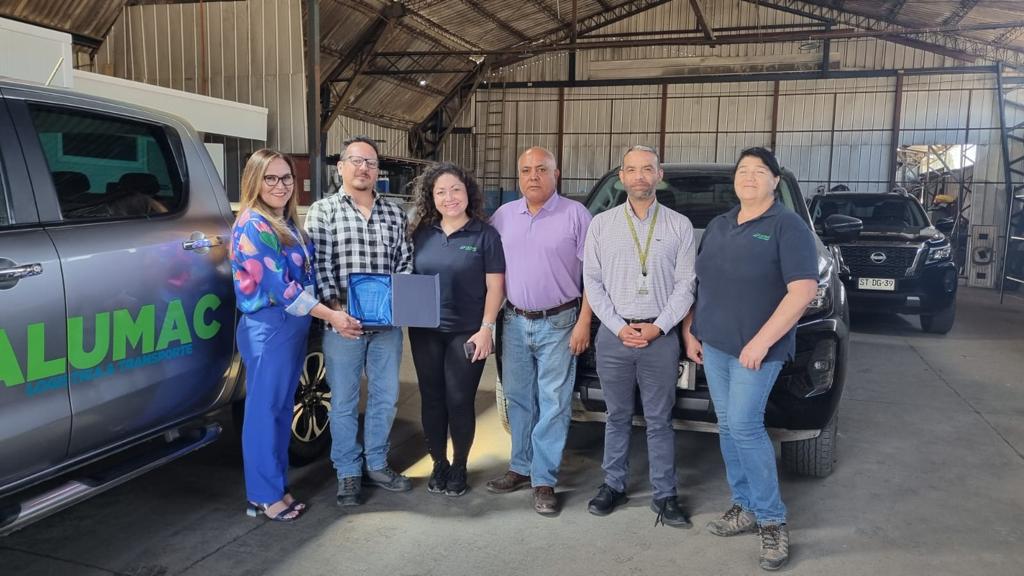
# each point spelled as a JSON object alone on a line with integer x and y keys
{"x": 117, "y": 344}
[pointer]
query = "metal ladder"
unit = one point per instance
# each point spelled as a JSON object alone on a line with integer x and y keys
{"x": 494, "y": 114}
{"x": 1010, "y": 86}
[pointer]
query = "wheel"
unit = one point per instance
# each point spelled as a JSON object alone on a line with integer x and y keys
{"x": 815, "y": 457}
{"x": 311, "y": 432}
{"x": 499, "y": 396}
{"x": 939, "y": 323}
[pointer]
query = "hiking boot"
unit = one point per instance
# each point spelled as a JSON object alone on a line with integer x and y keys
{"x": 349, "y": 491}
{"x": 456, "y": 481}
{"x": 735, "y": 521}
{"x": 439, "y": 477}
{"x": 669, "y": 513}
{"x": 387, "y": 479}
{"x": 774, "y": 545}
{"x": 606, "y": 500}
{"x": 508, "y": 482}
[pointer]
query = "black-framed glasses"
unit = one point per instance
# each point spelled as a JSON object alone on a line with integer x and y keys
{"x": 359, "y": 162}
{"x": 272, "y": 180}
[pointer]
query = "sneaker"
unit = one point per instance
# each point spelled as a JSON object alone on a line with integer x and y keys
{"x": 387, "y": 479}
{"x": 774, "y": 545}
{"x": 349, "y": 491}
{"x": 439, "y": 477}
{"x": 735, "y": 521}
{"x": 456, "y": 481}
{"x": 508, "y": 482}
{"x": 606, "y": 500}
{"x": 669, "y": 513}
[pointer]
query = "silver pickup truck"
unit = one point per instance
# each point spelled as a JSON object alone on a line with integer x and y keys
{"x": 117, "y": 313}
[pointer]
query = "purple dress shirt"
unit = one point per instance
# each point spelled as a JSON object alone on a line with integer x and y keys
{"x": 543, "y": 252}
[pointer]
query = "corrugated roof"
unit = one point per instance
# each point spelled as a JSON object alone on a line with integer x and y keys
{"x": 88, "y": 19}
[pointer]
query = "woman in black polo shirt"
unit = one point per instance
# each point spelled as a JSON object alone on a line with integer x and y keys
{"x": 453, "y": 241}
{"x": 756, "y": 273}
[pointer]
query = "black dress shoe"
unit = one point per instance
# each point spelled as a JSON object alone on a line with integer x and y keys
{"x": 606, "y": 500}
{"x": 669, "y": 513}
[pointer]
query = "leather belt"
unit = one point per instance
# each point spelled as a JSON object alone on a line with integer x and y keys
{"x": 535, "y": 315}
{"x": 639, "y": 320}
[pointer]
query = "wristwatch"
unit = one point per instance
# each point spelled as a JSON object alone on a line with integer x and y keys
{"x": 490, "y": 325}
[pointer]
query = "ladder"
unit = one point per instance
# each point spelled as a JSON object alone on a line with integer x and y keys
{"x": 494, "y": 114}
{"x": 1010, "y": 86}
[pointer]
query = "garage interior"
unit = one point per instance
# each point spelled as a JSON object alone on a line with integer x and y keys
{"x": 927, "y": 96}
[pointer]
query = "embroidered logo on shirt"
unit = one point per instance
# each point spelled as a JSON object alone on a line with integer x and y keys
{"x": 468, "y": 248}
{"x": 765, "y": 237}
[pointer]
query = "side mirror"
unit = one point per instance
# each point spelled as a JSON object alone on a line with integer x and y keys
{"x": 840, "y": 229}
{"x": 945, "y": 225}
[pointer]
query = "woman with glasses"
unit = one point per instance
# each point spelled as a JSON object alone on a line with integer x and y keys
{"x": 453, "y": 241}
{"x": 757, "y": 270}
{"x": 272, "y": 271}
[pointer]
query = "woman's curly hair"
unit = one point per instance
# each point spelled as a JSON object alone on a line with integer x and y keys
{"x": 426, "y": 211}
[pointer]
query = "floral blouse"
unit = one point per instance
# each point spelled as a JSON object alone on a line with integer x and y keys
{"x": 267, "y": 272}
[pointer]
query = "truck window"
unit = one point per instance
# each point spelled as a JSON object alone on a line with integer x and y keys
{"x": 5, "y": 202}
{"x": 108, "y": 167}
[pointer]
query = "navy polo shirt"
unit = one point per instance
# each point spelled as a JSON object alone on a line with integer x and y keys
{"x": 742, "y": 273}
{"x": 460, "y": 262}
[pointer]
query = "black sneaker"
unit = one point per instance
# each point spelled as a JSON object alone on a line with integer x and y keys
{"x": 606, "y": 500}
{"x": 349, "y": 491}
{"x": 456, "y": 481}
{"x": 387, "y": 479}
{"x": 669, "y": 513}
{"x": 439, "y": 477}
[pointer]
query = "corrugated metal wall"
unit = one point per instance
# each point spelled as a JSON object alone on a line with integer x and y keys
{"x": 392, "y": 142}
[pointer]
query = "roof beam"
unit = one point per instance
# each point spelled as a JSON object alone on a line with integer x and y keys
{"x": 479, "y": 9}
{"x": 547, "y": 10}
{"x": 960, "y": 12}
{"x": 702, "y": 20}
{"x": 895, "y": 9}
{"x": 1008, "y": 36}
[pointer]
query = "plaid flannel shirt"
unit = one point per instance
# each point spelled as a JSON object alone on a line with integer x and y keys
{"x": 346, "y": 242}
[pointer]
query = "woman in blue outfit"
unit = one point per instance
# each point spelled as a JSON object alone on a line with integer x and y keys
{"x": 756, "y": 273}
{"x": 272, "y": 271}
{"x": 453, "y": 241}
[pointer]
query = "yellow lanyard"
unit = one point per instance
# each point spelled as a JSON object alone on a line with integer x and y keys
{"x": 642, "y": 254}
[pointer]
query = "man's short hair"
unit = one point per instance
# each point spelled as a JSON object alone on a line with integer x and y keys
{"x": 548, "y": 155}
{"x": 365, "y": 140}
{"x": 642, "y": 148}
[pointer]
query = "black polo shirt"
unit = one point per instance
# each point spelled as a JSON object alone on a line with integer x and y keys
{"x": 742, "y": 273}
{"x": 460, "y": 261}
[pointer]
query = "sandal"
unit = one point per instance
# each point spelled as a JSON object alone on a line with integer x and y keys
{"x": 300, "y": 506}
{"x": 288, "y": 514}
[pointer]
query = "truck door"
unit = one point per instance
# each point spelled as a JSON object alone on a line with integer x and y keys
{"x": 143, "y": 249}
{"x": 35, "y": 412}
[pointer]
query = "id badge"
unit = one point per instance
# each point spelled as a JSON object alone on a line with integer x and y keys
{"x": 641, "y": 285}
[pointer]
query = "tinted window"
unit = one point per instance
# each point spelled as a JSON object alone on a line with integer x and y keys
{"x": 698, "y": 196}
{"x": 5, "y": 202}
{"x": 106, "y": 167}
{"x": 876, "y": 211}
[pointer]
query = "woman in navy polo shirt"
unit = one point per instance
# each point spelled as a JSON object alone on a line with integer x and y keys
{"x": 453, "y": 241}
{"x": 756, "y": 273}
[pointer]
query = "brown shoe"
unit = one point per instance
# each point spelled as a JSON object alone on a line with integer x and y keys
{"x": 544, "y": 500}
{"x": 508, "y": 482}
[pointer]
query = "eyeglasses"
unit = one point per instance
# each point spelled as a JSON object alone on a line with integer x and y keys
{"x": 359, "y": 162}
{"x": 272, "y": 180}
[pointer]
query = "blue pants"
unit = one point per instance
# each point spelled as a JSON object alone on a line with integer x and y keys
{"x": 739, "y": 396}
{"x": 379, "y": 354}
{"x": 273, "y": 347}
{"x": 537, "y": 375}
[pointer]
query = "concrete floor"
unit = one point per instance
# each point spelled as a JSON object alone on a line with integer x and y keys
{"x": 930, "y": 481}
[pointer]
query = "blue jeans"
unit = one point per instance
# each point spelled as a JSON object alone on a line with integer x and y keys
{"x": 380, "y": 354}
{"x": 537, "y": 375}
{"x": 740, "y": 396}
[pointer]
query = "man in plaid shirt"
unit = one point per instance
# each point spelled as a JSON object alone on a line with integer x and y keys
{"x": 356, "y": 230}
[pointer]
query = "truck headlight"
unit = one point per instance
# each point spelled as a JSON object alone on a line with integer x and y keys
{"x": 939, "y": 253}
{"x": 822, "y": 301}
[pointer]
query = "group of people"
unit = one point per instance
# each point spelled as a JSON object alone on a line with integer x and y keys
{"x": 543, "y": 267}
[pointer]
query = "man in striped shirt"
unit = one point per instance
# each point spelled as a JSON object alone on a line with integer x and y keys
{"x": 356, "y": 230}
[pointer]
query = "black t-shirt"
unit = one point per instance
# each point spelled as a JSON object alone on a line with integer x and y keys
{"x": 742, "y": 273}
{"x": 461, "y": 262}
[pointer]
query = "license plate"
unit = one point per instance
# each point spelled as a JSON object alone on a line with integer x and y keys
{"x": 687, "y": 376}
{"x": 876, "y": 284}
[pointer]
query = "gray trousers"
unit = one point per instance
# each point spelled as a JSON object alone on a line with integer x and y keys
{"x": 654, "y": 369}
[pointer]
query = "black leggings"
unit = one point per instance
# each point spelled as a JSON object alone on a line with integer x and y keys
{"x": 448, "y": 384}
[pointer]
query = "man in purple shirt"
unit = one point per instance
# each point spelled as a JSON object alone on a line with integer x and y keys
{"x": 546, "y": 324}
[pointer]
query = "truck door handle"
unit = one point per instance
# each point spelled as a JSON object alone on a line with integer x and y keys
{"x": 10, "y": 275}
{"x": 200, "y": 244}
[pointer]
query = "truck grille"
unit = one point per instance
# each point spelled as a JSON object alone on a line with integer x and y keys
{"x": 897, "y": 263}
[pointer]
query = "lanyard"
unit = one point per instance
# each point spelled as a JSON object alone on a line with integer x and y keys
{"x": 642, "y": 254}
{"x": 305, "y": 252}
